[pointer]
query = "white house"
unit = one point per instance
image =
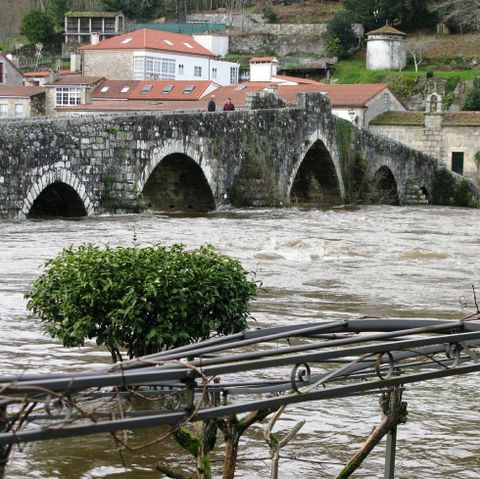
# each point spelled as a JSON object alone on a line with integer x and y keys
{"x": 155, "y": 54}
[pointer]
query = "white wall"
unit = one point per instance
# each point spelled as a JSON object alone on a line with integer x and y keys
{"x": 217, "y": 44}
{"x": 262, "y": 71}
{"x": 386, "y": 53}
{"x": 189, "y": 63}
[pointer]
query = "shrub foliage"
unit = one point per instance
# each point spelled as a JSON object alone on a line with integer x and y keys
{"x": 142, "y": 300}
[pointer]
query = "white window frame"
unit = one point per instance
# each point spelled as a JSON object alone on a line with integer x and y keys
{"x": 233, "y": 75}
{"x": 181, "y": 69}
{"x": 197, "y": 71}
{"x": 3, "y": 110}
{"x": 153, "y": 67}
{"x": 19, "y": 110}
{"x": 66, "y": 96}
{"x": 214, "y": 72}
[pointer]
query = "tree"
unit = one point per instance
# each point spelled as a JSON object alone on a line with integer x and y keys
{"x": 417, "y": 47}
{"x": 57, "y": 10}
{"x": 340, "y": 37}
{"x": 461, "y": 14}
{"x": 406, "y": 14}
{"x": 137, "y": 9}
{"x": 38, "y": 27}
{"x": 472, "y": 100}
{"x": 142, "y": 300}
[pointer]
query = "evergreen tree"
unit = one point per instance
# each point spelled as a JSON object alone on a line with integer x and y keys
{"x": 406, "y": 14}
{"x": 340, "y": 38}
{"x": 38, "y": 27}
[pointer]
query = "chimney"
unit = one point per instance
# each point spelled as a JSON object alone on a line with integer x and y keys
{"x": 52, "y": 77}
{"x": 75, "y": 62}
{"x": 263, "y": 68}
{"x": 95, "y": 38}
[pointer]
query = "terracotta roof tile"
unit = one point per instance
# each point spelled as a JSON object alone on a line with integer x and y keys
{"x": 146, "y": 39}
{"x": 299, "y": 80}
{"x": 136, "y": 105}
{"x": 168, "y": 90}
{"x": 263, "y": 59}
{"x": 20, "y": 91}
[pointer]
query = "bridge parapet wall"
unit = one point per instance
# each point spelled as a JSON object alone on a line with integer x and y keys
{"x": 248, "y": 157}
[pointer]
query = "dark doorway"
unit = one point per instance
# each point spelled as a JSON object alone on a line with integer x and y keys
{"x": 316, "y": 183}
{"x": 178, "y": 184}
{"x": 58, "y": 200}
{"x": 457, "y": 162}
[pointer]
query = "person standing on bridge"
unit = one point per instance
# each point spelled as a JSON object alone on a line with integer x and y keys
{"x": 211, "y": 104}
{"x": 229, "y": 106}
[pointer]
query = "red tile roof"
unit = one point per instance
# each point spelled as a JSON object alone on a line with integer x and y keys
{"x": 263, "y": 59}
{"x": 75, "y": 80}
{"x": 136, "y": 105}
{"x": 340, "y": 95}
{"x": 160, "y": 90}
{"x": 299, "y": 80}
{"x": 357, "y": 94}
{"x": 20, "y": 91}
{"x": 152, "y": 40}
{"x": 45, "y": 73}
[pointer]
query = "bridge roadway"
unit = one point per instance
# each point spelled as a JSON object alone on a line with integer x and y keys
{"x": 74, "y": 166}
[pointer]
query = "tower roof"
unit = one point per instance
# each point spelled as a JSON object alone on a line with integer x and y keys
{"x": 386, "y": 30}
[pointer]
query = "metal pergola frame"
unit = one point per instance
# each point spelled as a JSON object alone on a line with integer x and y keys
{"x": 355, "y": 356}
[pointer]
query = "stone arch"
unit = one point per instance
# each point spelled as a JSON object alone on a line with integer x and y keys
{"x": 72, "y": 189}
{"x": 189, "y": 174}
{"x": 316, "y": 178}
{"x": 384, "y": 187}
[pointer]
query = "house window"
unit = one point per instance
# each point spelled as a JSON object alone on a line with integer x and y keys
{"x": 67, "y": 96}
{"x": 233, "y": 75}
{"x": 197, "y": 71}
{"x": 189, "y": 89}
{"x": 18, "y": 110}
{"x": 214, "y": 73}
{"x": 457, "y": 162}
{"x": 3, "y": 110}
{"x": 167, "y": 88}
{"x": 104, "y": 89}
{"x": 180, "y": 69}
{"x": 1, "y": 73}
{"x": 125, "y": 89}
{"x": 158, "y": 68}
{"x": 146, "y": 88}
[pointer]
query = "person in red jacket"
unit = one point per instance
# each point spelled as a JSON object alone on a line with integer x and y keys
{"x": 229, "y": 106}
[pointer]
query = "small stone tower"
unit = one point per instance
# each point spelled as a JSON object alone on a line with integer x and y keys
{"x": 434, "y": 111}
{"x": 386, "y": 49}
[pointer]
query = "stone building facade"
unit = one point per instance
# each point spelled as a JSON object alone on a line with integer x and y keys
{"x": 452, "y": 137}
{"x": 21, "y": 102}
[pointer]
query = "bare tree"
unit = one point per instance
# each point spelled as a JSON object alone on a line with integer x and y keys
{"x": 417, "y": 46}
{"x": 463, "y": 13}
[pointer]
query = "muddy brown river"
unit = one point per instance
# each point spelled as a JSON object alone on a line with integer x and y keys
{"x": 396, "y": 262}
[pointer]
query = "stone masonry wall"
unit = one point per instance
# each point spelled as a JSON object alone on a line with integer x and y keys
{"x": 115, "y": 155}
{"x": 116, "y": 65}
{"x": 439, "y": 142}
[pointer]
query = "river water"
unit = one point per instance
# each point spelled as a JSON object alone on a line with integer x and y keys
{"x": 409, "y": 262}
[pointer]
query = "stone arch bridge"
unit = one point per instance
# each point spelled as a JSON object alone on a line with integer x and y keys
{"x": 74, "y": 166}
